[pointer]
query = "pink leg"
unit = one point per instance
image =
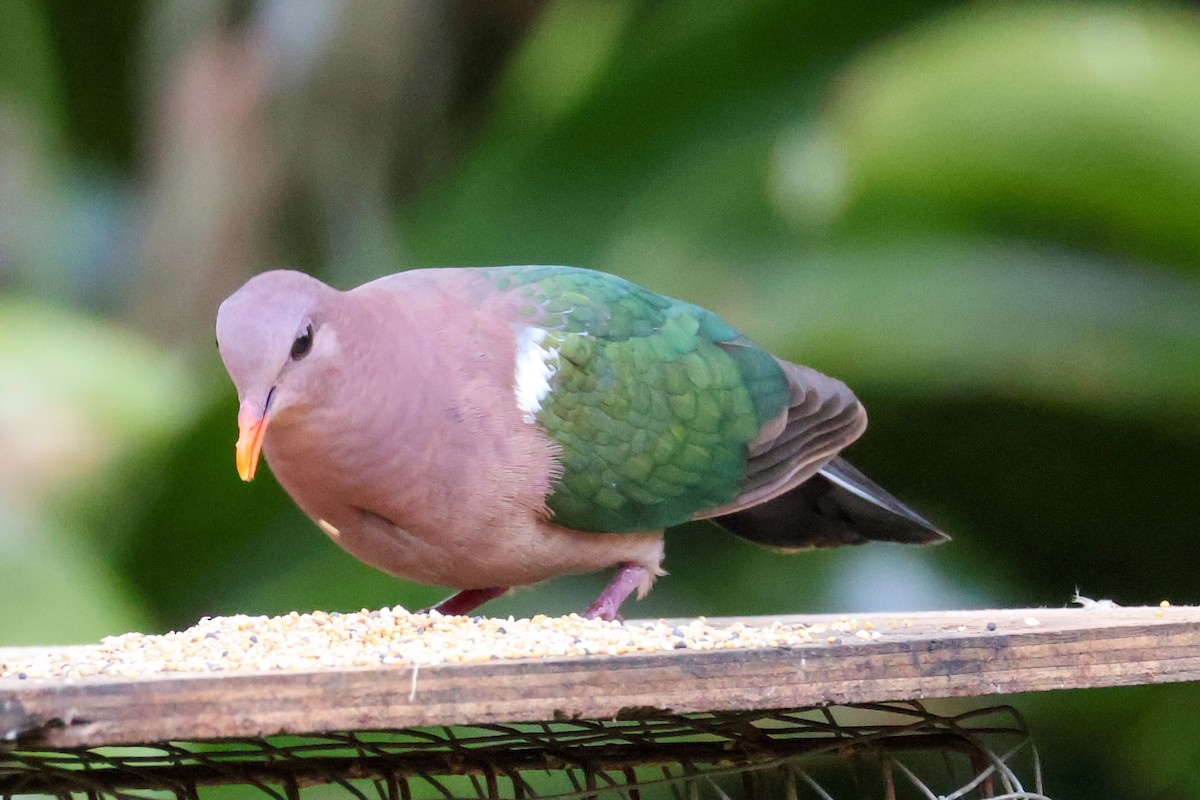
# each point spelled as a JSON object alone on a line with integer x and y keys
{"x": 628, "y": 578}
{"x": 468, "y": 600}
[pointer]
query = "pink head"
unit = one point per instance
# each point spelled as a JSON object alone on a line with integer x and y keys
{"x": 277, "y": 337}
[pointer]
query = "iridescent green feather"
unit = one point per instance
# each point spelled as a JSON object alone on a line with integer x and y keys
{"x": 652, "y": 413}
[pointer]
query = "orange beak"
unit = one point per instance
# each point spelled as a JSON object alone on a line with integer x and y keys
{"x": 252, "y": 426}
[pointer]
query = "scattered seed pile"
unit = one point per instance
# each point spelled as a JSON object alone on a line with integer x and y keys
{"x": 395, "y": 636}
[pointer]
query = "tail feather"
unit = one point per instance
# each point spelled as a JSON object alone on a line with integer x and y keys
{"x": 837, "y": 506}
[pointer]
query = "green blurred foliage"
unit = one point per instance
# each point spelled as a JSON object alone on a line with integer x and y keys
{"x": 982, "y": 216}
{"x": 90, "y": 398}
{"x": 1059, "y": 120}
{"x": 28, "y": 78}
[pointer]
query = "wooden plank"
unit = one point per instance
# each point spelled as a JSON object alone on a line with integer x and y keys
{"x": 934, "y": 655}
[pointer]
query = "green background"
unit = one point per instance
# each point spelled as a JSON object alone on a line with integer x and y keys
{"x": 985, "y": 218}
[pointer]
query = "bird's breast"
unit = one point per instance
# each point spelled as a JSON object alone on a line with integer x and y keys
{"x": 454, "y": 465}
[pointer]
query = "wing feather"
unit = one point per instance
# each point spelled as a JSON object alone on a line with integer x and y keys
{"x": 822, "y": 418}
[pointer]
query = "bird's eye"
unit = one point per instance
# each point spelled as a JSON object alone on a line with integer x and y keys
{"x": 303, "y": 344}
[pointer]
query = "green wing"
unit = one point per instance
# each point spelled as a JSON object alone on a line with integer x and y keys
{"x": 651, "y": 412}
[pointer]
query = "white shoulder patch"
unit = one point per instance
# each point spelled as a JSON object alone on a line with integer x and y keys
{"x": 537, "y": 363}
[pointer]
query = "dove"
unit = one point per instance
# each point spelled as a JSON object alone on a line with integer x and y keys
{"x": 481, "y": 428}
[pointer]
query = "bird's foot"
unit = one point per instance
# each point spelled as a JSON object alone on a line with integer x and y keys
{"x": 608, "y": 605}
{"x": 468, "y": 600}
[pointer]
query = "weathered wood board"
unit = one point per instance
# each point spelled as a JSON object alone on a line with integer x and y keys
{"x": 917, "y": 656}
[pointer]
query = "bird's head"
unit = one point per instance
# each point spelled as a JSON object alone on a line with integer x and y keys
{"x": 277, "y": 338}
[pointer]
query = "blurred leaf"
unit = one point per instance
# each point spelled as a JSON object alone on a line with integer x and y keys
{"x": 1130, "y": 742}
{"x": 946, "y": 317}
{"x": 560, "y": 62}
{"x": 682, "y": 86}
{"x": 55, "y": 589}
{"x": 1175, "y": 764}
{"x": 96, "y": 50}
{"x": 77, "y": 395}
{"x": 1041, "y": 499}
{"x": 32, "y": 129}
{"x": 1067, "y": 120}
{"x": 28, "y": 76}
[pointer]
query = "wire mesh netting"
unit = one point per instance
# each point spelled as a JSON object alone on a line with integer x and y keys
{"x": 890, "y": 751}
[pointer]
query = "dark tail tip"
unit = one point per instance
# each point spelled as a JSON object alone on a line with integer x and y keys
{"x": 838, "y": 506}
